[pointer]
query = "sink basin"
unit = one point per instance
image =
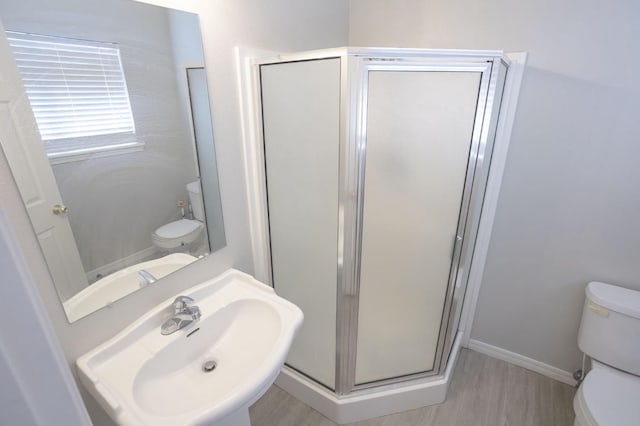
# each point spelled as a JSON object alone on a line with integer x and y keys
{"x": 121, "y": 283}
{"x": 208, "y": 373}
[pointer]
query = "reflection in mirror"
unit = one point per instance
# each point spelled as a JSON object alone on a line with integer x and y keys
{"x": 127, "y": 180}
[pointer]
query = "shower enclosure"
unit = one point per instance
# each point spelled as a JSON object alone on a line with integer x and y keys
{"x": 375, "y": 163}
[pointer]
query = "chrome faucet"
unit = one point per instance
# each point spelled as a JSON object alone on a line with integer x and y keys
{"x": 184, "y": 314}
{"x": 146, "y": 278}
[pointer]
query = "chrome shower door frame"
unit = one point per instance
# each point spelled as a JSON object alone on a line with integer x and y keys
{"x": 353, "y": 140}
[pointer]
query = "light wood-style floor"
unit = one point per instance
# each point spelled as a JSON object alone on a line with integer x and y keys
{"x": 484, "y": 391}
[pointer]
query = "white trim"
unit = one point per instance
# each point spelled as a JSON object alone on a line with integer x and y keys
{"x": 186, "y": 101}
{"x": 522, "y": 361}
{"x": 183, "y": 6}
{"x": 186, "y": 92}
{"x": 192, "y": 64}
{"x": 251, "y": 125}
{"x": 300, "y": 56}
{"x": 409, "y": 52}
{"x": 384, "y": 52}
{"x": 97, "y": 152}
{"x": 367, "y": 404}
{"x": 498, "y": 160}
{"x": 32, "y": 347}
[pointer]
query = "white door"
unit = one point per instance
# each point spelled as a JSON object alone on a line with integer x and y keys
{"x": 301, "y": 116}
{"x": 418, "y": 140}
{"x": 32, "y": 172}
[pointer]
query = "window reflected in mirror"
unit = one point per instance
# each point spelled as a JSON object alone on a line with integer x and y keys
{"x": 77, "y": 91}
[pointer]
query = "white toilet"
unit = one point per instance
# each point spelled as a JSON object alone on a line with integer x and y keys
{"x": 610, "y": 335}
{"x": 182, "y": 234}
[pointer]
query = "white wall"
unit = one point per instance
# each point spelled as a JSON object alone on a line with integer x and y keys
{"x": 570, "y": 201}
{"x": 284, "y": 25}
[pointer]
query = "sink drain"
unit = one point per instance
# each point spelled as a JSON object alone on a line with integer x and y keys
{"x": 209, "y": 366}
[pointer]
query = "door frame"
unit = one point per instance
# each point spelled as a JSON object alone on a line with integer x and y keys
{"x": 25, "y": 153}
{"x": 471, "y": 199}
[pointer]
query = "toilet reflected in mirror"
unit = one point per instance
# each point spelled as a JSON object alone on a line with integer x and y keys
{"x": 186, "y": 234}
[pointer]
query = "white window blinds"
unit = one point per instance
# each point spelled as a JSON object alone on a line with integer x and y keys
{"x": 77, "y": 91}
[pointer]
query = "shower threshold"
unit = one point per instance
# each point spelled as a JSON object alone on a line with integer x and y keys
{"x": 371, "y": 402}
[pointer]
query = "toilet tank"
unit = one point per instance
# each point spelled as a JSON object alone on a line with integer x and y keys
{"x": 610, "y": 326}
{"x": 195, "y": 198}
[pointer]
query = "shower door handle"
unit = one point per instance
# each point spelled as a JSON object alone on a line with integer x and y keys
{"x": 457, "y": 239}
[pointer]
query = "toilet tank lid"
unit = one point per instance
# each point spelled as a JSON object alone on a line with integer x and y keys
{"x": 615, "y": 298}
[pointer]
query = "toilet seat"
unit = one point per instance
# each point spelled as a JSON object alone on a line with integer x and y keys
{"x": 179, "y": 228}
{"x": 608, "y": 397}
{"x": 177, "y": 233}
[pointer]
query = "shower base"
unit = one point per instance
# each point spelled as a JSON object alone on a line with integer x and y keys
{"x": 373, "y": 402}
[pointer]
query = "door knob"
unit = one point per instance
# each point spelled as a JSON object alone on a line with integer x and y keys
{"x": 59, "y": 209}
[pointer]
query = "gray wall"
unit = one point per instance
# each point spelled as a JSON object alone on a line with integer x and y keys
{"x": 286, "y": 25}
{"x": 570, "y": 201}
{"x": 116, "y": 202}
{"x": 195, "y": 97}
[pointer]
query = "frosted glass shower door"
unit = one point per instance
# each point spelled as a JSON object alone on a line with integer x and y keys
{"x": 301, "y": 118}
{"x": 418, "y": 138}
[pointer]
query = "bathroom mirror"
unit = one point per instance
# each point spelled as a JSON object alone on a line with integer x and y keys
{"x": 119, "y": 93}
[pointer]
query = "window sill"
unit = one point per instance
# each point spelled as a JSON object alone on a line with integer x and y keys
{"x": 97, "y": 152}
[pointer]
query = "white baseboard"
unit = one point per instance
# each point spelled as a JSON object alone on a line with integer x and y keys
{"x": 375, "y": 402}
{"x": 522, "y": 361}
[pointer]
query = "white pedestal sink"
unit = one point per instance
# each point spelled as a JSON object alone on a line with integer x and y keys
{"x": 141, "y": 377}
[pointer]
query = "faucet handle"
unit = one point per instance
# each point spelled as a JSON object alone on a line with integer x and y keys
{"x": 194, "y": 311}
{"x": 181, "y": 303}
